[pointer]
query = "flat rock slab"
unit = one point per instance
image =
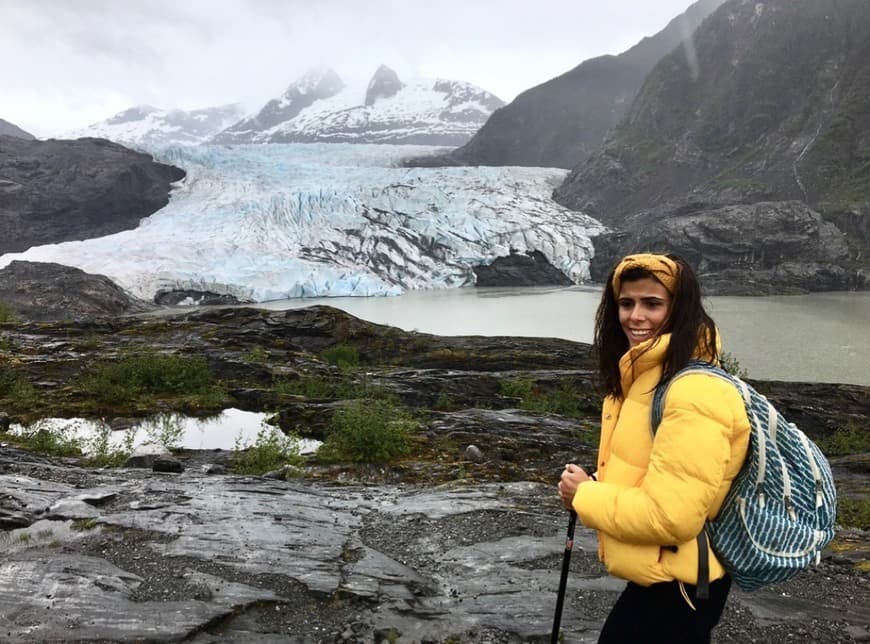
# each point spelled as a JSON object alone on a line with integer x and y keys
{"x": 141, "y": 556}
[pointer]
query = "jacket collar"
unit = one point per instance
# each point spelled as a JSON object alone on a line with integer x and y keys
{"x": 649, "y": 354}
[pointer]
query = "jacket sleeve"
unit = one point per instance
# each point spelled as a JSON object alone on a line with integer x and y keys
{"x": 687, "y": 467}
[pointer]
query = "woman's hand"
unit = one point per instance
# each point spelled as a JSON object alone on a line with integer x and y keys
{"x": 572, "y": 476}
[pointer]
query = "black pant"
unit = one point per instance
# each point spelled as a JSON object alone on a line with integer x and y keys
{"x": 659, "y": 614}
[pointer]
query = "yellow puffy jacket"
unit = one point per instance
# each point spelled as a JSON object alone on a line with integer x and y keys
{"x": 654, "y": 493}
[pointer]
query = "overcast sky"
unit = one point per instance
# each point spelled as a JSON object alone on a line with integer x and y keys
{"x": 69, "y": 63}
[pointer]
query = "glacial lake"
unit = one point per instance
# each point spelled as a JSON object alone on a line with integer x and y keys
{"x": 231, "y": 429}
{"x": 821, "y": 337}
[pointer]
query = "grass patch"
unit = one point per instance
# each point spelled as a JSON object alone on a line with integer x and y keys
{"x": 40, "y": 437}
{"x": 565, "y": 400}
{"x": 270, "y": 451}
{"x": 343, "y": 356}
{"x": 854, "y": 513}
{"x": 83, "y": 525}
{"x": 99, "y": 451}
{"x": 17, "y": 390}
{"x": 340, "y": 387}
{"x": 164, "y": 429}
{"x": 257, "y": 355}
{"x": 8, "y": 314}
{"x": 145, "y": 374}
{"x": 849, "y": 440}
{"x": 368, "y": 431}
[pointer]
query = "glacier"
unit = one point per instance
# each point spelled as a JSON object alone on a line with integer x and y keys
{"x": 268, "y": 222}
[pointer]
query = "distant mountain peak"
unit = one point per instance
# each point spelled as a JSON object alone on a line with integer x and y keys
{"x": 384, "y": 84}
{"x": 135, "y": 113}
{"x": 320, "y": 81}
{"x": 318, "y": 107}
{"x": 148, "y": 126}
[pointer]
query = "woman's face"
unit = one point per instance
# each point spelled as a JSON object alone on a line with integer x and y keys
{"x": 644, "y": 307}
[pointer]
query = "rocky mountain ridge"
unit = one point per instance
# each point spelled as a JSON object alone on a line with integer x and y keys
{"x": 717, "y": 150}
{"x": 58, "y": 190}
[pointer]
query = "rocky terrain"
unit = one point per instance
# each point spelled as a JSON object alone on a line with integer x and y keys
{"x": 41, "y": 291}
{"x": 449, "y": 544}
{"x": 55, "y": 191}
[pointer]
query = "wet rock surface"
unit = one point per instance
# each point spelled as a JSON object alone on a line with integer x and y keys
{"x": 132, "y": 555}
{"x": 44, "y": 291}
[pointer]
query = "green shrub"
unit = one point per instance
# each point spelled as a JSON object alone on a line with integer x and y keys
{"x": 42, "y": 438}
{"x": 368, "y": 431}
{"x": 147, "y": 373}
{"x": 341, "y": 355}
{"x": 730, "y": 364}
{"x": 257, "y": 355}
{"x": 854, "y": 513}
{"x": 8, "y": 314}
{"x": 271, "y": 450}
{"x": 17, "y": 389}
{"x": 565, "y": 400}
{"x": 99, "y": 451}
{"x": 164, "y": 429}
{"x": 849, "y": 440}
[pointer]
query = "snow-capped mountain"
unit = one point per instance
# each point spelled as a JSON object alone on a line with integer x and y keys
{"x": 148, "y": 127}
{"x": 320, "y": 108}
{"x": 264, "y": 222}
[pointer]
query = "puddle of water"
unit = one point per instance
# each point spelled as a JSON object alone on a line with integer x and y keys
{"x": 231, "y": 427}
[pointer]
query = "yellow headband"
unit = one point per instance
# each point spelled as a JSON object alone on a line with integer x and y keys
{"x": 665, "y": 270}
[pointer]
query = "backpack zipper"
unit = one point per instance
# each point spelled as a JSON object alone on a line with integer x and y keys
{"x": 817, "y": 475}
{"x": 812, "y": 548}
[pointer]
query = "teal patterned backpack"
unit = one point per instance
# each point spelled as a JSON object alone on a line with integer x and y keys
{"x": 780, "y": 511}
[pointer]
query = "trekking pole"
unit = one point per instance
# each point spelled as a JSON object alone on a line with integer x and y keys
{"x": 563, "y": 581}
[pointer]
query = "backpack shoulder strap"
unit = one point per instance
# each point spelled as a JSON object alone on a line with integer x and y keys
{"x": 695, "y": 366}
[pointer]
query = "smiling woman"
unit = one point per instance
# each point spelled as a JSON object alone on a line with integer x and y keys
{"x": 650, "y": 493}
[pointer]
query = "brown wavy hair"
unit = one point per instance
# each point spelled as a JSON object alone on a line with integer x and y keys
{"x": 693, "y": 331}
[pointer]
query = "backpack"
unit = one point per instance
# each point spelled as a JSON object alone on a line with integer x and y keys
{"x": 779, "y": 513}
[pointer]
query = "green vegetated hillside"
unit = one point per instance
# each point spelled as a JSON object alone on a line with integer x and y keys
{"x": 774, "y": 104}
{"x": 771, "y": 102}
